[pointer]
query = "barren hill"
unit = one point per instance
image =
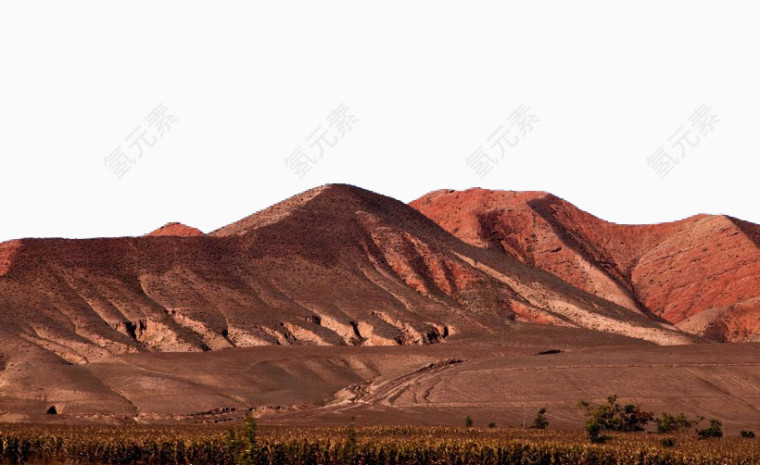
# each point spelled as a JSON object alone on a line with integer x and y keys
{"x": 336, "y": 265}
{"x": 701, "y": 273}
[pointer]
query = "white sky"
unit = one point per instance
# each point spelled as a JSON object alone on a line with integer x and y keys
{"x": 428, "y": 81}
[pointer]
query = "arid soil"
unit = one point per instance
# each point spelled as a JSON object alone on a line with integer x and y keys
{"x": 500, "y": 378}
{"x": 341, "y": 302}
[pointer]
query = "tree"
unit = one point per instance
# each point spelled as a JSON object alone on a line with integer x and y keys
{"x": 540, "y": 422}
{"x": 635, "y": 419}
{"x": 611, "y": 416}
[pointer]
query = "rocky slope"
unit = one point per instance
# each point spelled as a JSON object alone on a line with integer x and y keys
{"x": 701, "y": 273}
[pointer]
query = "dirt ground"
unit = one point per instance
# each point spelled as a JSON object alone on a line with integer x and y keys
{"x": 499, "y": 378}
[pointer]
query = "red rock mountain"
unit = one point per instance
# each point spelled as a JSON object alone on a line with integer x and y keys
{"x": 701, "y": 273}
{"x": 336, "y": 265}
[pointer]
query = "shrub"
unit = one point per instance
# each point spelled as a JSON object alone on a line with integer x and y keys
{"x": 492, "y": 425}
{"x": 594, "y": 432}
{"x": 747, "y": 434}
{"x": 669, "y": 423}
{"x": 715, "y": 430}
{"x": 540, "y": 422}
{"x": 635, "y": 419}
{"x": 611, "y": 416}
{"x": 467, "y": 421}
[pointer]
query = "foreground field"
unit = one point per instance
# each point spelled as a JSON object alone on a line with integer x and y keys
{"x": 363, "y": 445}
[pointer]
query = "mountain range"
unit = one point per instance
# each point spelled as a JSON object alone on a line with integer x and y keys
{"x": 345, "y": 267}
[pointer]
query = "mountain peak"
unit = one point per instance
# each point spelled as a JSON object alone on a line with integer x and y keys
{"x": 176, "y": 229}
{"x": 333, "y": 194}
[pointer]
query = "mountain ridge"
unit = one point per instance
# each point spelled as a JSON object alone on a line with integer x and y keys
{"x": 622, "y": 263}
{"x": 275, "y": 278}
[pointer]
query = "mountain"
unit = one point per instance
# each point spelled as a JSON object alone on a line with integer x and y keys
{"x": 701, "y": 273}
{"x": 282, "y": 313}
{"x": 336, "y": 265}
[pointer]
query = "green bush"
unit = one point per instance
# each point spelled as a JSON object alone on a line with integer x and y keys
{"x": 540, "y": 422}
{"x": 669, "y": 423}
{"x": 611, "y": 416}
{"x": 468, "y": 421}
{"x": 715, "y": 430}
{"x": 747, "y": 434}
{"x": 594, "y": 432}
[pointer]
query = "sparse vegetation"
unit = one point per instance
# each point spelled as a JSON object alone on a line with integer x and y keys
{"x": 611, "y": 416}
{"x": 372, "y": 445}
